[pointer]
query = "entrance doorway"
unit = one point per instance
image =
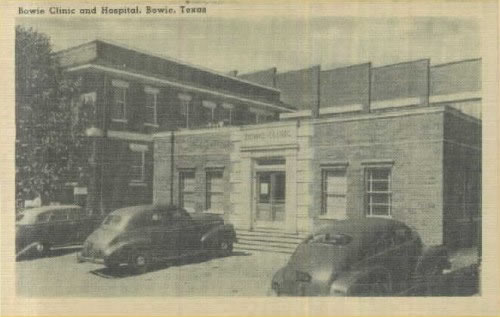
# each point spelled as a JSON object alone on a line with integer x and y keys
{"x": 270, "y": 200}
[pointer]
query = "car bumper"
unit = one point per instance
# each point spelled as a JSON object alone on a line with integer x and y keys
{"x": 81, "y": 258}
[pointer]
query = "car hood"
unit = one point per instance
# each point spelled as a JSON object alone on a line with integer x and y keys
{"x": 102, "y": 237}
{"x": 206, "y": 218}
{"x": 312, "y": 268}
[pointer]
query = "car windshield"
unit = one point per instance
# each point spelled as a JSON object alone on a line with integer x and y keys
{"x": 112, "y": 220}
{"x": 331, "y": 238}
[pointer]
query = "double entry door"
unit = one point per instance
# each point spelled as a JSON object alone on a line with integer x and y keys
{"x": 270, "y": 198}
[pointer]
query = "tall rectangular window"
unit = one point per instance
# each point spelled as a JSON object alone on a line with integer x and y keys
{"x": 187, "y": 182}
{"x": 334, "y": 189}
{"x": 378, "y": 195}
{"x": 138, "y": 163}
{"x": 119, "y": 102}
{"x": 151, "y": 106}
{"x": 215, "y": 191}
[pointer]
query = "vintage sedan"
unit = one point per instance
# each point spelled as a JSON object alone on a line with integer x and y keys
{"x": 140, "y": 235}
{"x": 361, "y": 257}
{"x": 39, "y": 229}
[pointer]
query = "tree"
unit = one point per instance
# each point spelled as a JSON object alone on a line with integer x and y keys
{"x": 49, "y": 143}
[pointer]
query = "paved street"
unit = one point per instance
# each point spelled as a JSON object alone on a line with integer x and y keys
{"x": 242, "y": 274}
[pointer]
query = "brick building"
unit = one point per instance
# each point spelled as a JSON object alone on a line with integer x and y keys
{"x": 288, "y": 151}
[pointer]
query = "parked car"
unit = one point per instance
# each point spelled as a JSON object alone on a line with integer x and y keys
{"x": 39, "y": 229}
{"x": 361, "y": 257}
{"x": 140, "y": 235}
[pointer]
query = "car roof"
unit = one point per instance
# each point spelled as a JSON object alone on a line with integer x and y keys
{"x": 39, "y": 210}
{"x": 362, "y": 227}
{"x": 135, "y": 210}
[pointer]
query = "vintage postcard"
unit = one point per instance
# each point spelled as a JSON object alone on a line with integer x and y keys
{"x": 206, "y": 158}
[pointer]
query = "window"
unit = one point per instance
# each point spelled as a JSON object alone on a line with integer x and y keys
{"x": 227, "y": 113}
{"x": 215, "y": 191}
{"x": 334, "y": 188}
{"x": 151, "y": 106}
{"x": 138, "y": 162}
{"x": 208, "y": 111}
{"x": 119, "y": 104}
{"x": 187, "y": 189}
{"x": 378, "y": 192}
{"x": 184, "y": 110}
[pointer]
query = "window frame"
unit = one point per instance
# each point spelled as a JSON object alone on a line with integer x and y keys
{"x": 139, "y": 149}
{"x": 324, "y": 194}
{"x": 369, "y": 192}
{"x": 152, "y": 92}
{"x": 182, "y": 192}
{"x": 123, "y": 87}
{"x": 209, "y": 193}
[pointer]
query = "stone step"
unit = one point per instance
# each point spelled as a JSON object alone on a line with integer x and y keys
{"x": 270, "y": 239}
{"x": 277, "y": 234}
{"x": 267, "y": 243}
{"x": 261, "y": 248}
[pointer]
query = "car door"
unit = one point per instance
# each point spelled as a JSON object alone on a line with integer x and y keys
{"x": 73, "y": 226}
{"x": 166, "y": 234}
{"x": 190, "y": 233}
{"x": 58, "y": 227}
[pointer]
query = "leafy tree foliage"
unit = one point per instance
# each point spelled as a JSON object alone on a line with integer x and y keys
{"x": 50, "y": 146}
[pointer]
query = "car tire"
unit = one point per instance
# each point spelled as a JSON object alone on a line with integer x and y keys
{"x": 42, "y": 248}
{"x": 380, "y": 286}
{"x": 225, "y": 248}
{"x": 140, "y": 262}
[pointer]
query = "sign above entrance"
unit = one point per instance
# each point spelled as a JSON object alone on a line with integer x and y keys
{"x": 269, "y": 137}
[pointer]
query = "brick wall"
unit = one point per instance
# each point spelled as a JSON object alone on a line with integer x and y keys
{"x": 462, "y": 179}
{"x": 401, "y": 81}
{"x": 200, "y": 151}
{"x": 413, "y": 143}
{"x": 300, "y": 88}
{"x": 345, "y": 86}
{"x": 265, "y": 77}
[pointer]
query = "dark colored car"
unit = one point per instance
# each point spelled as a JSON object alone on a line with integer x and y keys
{"x": 41, "y": 228}
{"x": 141, "y": 235}
{"x": 361, "y": 257}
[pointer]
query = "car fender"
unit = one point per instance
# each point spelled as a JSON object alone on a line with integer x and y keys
{"x": 225, "y": 231}
{"x": 121, "y": 250}
{"x": 432, "y": 257}
{"x": 342, "y": 285}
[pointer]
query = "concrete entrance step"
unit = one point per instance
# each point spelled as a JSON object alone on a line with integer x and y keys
{"x": 268, "y": 240}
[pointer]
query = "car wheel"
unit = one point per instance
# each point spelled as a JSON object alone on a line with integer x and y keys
{"x": 380, "y": 286}
{"x": 225, "y": 248}
{"x": 42, "y": 248}
{"x": 140, "y": 262}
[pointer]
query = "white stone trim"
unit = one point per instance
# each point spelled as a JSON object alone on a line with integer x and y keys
{"x": 397, "y": 102}
{"x": 296, "y": 114}
{"x": 119, "y": 83}
{"x": 460, "y": 96}
{"x": 341, "y": 109}
{"x": 184, "y": 97}
{"x": 209, "y": 104}
{"x": 151, "y": 90}
{"x": 130, "y": 136}
{"x": 176, "y": 84}
{"x": 226, "y": 105}
{"x": 259, "y": 111}
{"x": 134, "y": 147}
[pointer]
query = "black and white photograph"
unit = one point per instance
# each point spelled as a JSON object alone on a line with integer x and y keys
{"x": 186, "y": 150}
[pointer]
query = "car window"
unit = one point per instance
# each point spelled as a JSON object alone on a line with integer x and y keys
{"x": 331, "y": 238}
{"x": 402, "y": 235}
{"x": 59, "y": 215}
{"x": 43, "y": 217}
{"x": 112, "y": 220}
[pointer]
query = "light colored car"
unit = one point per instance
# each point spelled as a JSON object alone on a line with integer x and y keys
{"x": 360, "y": 257}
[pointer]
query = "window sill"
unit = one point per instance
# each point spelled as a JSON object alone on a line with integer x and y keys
{"x": 153, "y": 125}
{"x": 330, "y": 217}
{"x": 137, "y": 184}
{"x": 214, "y": 211}
{"x": 120, "y": 120}
{"x": 379, "y": 216}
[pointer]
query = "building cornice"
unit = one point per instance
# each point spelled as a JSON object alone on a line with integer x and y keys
{"x": 170, "y": 83}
